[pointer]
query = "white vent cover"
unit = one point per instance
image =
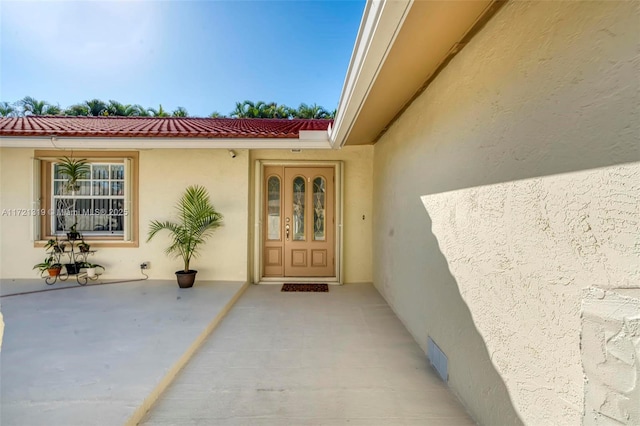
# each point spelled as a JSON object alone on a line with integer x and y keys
{"x": 438, "y": 359}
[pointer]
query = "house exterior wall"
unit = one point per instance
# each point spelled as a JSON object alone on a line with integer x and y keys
{"x": 357, "y": 195}
{"x": 163, "y": 175}
{"x": 161, "y": 183}
{"x": 544, "y": 89}
{"x": 522, "y": 253}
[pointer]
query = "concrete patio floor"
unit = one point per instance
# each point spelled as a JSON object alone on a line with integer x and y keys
{"x": 94, "y": 355}
{"x": 334, "y": 358}
{"x": 101, "y": 355}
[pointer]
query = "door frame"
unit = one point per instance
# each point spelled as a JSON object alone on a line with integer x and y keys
{"x": 258, "y": 233}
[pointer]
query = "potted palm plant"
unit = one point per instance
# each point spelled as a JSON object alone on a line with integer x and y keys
{"x": 197, "y": 219}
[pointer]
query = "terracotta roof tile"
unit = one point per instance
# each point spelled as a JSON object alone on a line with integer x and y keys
{"x": 144, "y": 127}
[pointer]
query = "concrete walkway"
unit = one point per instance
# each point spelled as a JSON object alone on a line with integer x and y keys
{"x": 93, "y": 355}
{"x": 332, "y": 358}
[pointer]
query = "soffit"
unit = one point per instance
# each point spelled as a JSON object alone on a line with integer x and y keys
{"x": 430, "y": 33}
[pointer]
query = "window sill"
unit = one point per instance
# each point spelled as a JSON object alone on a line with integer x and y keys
{"x": 95, "y": 243}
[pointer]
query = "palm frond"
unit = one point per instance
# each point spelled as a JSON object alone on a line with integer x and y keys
{"x": 197, "y": 219}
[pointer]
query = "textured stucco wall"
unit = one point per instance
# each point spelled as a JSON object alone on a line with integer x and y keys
{"x": 522, "y": 252}
{"x": 610, "y": 346}
{"x": 162, "y": 181}
{"x": 545, "y": 88}
{"x": 358, "y": 170}
{"x": 229, "y": 181}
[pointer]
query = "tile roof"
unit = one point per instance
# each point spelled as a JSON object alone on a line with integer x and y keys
{"x": 169, "y": 127}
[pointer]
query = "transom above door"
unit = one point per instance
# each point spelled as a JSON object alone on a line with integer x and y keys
{"x": 298, "y": 221}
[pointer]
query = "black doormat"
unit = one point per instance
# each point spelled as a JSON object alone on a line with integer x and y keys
{"x": 305, "y": 287}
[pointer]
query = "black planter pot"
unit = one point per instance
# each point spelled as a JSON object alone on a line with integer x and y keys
{"x": 186, "y": 278}
{"x": 73, "y": 268}
{"x": 72, "y": 236}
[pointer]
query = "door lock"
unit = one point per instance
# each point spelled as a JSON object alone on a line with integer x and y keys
{"x": 286, "y": 228}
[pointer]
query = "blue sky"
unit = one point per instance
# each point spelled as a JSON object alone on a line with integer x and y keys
{"x": 201, "y": 55}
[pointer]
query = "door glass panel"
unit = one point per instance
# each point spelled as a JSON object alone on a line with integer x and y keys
{"x": 298, "y": 208}
{"x": 319, "y": 189}
{"x": 273, "y": 208}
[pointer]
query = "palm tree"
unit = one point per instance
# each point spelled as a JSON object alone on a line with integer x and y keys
{"x": 260, "y": 110}
{"x": 279, "y": 111}
{"x": 120, "y": 110}
{"x": 244, "y": 109}
{"x": 96, "y": 107}
{"x": 216, "y": 114}
{"x": 140, "y": 111}
{"x": 77, "y": 109}
{"x": 32, "y": 106}
{"x": 7, "y": 110}
{"x": 180, "y": 112}
{"x": 312, "y": 111}
{"x": 160, "y": 112}
{"x": 53, "y": 110}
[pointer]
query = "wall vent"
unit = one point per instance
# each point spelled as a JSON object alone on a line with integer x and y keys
{"x": 438, "y": 359}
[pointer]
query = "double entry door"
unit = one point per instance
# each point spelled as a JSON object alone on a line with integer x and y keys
{"x": 298, "y": 221}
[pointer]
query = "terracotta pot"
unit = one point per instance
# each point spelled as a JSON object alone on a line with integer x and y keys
{"x": 186, "y": 278}
{"x": 54, "y": 272}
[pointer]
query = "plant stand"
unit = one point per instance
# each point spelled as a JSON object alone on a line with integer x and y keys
{"x": 74, "y": 268}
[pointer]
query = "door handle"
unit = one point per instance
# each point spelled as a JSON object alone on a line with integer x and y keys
{"x": 286, "y": 229}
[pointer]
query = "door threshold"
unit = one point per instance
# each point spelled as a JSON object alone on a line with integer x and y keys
{"x": 283, "y": 280}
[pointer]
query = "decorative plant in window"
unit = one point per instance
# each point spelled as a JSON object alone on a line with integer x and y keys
{"x": 197, "y": 219}
{"x": 72, "y": 170}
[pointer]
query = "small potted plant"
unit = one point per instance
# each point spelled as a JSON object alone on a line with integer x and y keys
{"x": 73, "y": 234}
{"x": 84, "y": 247}
{"x": 55, "y": 246}
{"x": 91, "y": 268}
{"x": 197, "y": 219}
{"x": 51, "y": 265}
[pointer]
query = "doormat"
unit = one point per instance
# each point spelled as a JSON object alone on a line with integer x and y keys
{"x": 305, "y": 287}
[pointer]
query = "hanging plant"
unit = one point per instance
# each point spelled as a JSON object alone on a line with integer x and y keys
{"x": 73, "y": 169}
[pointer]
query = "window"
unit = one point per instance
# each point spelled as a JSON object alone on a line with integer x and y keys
{"x": 101, "y": 205}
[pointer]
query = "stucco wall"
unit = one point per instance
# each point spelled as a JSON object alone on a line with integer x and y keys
{"x": 226, "y": 256}
{"x": 358, "y": 163}
{"x": 522, "y": 252}
{"x": 610, "y": 346}
{"x": 162, "y": 180}
{"x": 544, "y": 88}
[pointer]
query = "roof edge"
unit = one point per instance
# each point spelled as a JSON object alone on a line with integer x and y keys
{"x": 381, "y": 22}
{"x": 304, "y": 142}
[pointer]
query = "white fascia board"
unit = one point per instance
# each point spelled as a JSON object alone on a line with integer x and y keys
{"x": 312, "y": 141}
{"x": 380, "y": 25}
{"x": 314, "y": 135}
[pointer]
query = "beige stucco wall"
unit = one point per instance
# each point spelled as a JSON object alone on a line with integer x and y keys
{"x": 357, "y": 195}
{"x": 162, "y": 178}
{"x": 545, "y": 88}
{"x": 522, "y": 253}
{"x": 161, "y": 182}
{"x": 16, "y": 247}
{"x": 610, "y": 346}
